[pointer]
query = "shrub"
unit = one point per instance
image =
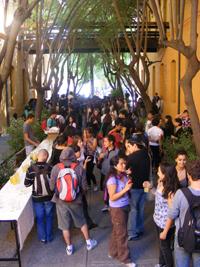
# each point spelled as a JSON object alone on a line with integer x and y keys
{"x": 7, "y": 169}
{"x": 185, "y": 142}
{"x": 16, "y": 134}
{"x": 117, "y": 93}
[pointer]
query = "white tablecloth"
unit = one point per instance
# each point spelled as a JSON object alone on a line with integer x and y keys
{"x": 15, "y": 200}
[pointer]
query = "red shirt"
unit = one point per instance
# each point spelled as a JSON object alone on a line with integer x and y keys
{"x": 118, "y": 138}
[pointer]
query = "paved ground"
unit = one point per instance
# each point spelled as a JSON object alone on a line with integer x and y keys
{"x": 5, "y": 150}
{"x": 143, "y": 252}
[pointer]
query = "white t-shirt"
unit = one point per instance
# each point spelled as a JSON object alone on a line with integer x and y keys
{"x": 154, "y": 134}
{"x": 148, "y": 125}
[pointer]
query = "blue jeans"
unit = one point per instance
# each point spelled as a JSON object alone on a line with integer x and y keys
{"x": 136, "y": 215}
{"x": 183, "y": 258}
{"x": 44, "y": 218}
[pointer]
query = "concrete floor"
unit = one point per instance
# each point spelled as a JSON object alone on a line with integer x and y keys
{"x": 34, "y": 254}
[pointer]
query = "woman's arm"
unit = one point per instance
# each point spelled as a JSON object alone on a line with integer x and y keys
{"x": 168, "y": 225}
{"x": 112, "y": 191}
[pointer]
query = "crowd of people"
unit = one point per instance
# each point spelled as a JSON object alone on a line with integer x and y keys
{"x": 131, "y": 161}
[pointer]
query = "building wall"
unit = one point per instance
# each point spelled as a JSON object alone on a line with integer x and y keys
{"x": 164, "y": 75}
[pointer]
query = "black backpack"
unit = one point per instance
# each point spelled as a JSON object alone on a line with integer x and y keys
{"x": 189, "y": 233}
{"x": 41, "y": 185}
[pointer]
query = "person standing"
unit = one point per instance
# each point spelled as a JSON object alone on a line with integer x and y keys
{"x": 138, "y": 163}
{"x": 118, "y": 185}
{"x": 185, "y": 201}
{"x": 51, "y": 122}
{"x": 167, "y": 186}
{"x": 104, "y": 159}
{"x": 38, "y": 175}
{"x": 180, "y": 167}
{"x": 155, "y": 135}
{"x": 90, "y": 145}
{"x": 70, "y": 211}
{"x": 29, "y": 140}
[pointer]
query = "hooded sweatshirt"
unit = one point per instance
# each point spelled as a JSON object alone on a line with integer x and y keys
{"x": 68, "y": 157}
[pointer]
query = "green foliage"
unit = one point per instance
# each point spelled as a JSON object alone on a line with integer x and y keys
{"x": 38, "y": 132}
{"x": 16, "y": 134}
{"x": 117, "y": 93}
{"x": 185, "y": 142}
{"x": 6, "y": 170}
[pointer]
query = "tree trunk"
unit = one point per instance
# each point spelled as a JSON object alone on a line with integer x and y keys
{"x": 186, "y": 83}
{"x": 39, "y": 104}
{"x": 147, "y": 101}
{"x": 54, "y": 100}
{"x": 1, "y": 90}
{"x": 119, "y": 85}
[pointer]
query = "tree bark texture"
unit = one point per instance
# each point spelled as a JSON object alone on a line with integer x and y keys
{"x": 186, "y": 83}
{"x": 39, "y": 104}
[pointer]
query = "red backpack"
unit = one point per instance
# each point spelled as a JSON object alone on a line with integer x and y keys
{"x": 67, "y": 183}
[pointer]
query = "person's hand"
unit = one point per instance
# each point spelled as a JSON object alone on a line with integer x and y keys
{"x": 128, "y": 185}
{"x": 86, "y": 162}
{"x": 128, "y": 172}
{"x": 88, "y": 159}
{"x": 163, "y": 235}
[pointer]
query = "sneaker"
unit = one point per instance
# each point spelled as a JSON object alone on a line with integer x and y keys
{"x": 134, "y": 238}
{"x": 69, "y": 250}
{"x": 95, "y": 189}
{"x": 93, "y": 244}
{"x": 131, "y": 264}
{"x": 105, "y": 208}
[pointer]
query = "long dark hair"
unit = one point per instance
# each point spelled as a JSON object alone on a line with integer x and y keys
{"x": 113, "y": 163}
{"x": 170, "y": 181}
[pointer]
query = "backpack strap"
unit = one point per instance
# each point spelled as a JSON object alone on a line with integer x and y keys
{"x": 44, "y": 171}
{"x": 188, "y": 195}
{"x": 74, "y": 165}
{"x": 37, "y": 171}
